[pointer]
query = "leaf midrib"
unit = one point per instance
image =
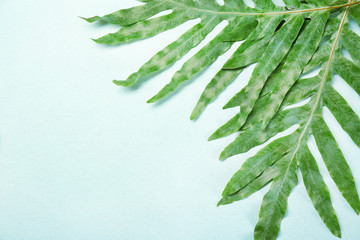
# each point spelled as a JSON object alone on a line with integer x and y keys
{"x": 320, "y": 88}
{"x": 316, "y": 102}
{"x": 347, "y": 5}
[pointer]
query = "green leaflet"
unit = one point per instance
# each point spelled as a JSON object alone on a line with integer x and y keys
{"x": 274, "y": 204}
{"x": 130, "y": 16}
{"x": 343, "y": 113}
{"x": 248, "y": 52}
{"x": 173, "y": 52}
{"x": 284, "y": 42}
{"x": 196, "y": 64}
{"x": 348, "y": 71}
{"x": 302, "y": 89}
{"x": 255, "y": 185}
{"x": 355, "y": 13}
{"x": 256, "y": 165}
{"x": 335, "y": 162}
{"x": 272, "y": 57}
{"x": 350, "y": 41}
{"x": 281, "y": 82}
{"x": 144, "y": 29}
{"x": 222, "y": 79}
{"x": 318, "y": 190}
{"x": 252, "y": 136}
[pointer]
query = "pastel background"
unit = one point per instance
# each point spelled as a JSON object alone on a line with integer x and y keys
{"x": 83, "y": 159}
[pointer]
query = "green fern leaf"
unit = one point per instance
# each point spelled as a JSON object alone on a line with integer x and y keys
{"x": 284, "y": 42}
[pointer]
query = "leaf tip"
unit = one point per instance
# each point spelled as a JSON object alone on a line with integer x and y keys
{"x": 151, "y": 100}
{"x": 222, "y": 157}
{"x": 337, "y": 232}
{"x": 155, "y": 98}
{"x": 122, "y": 83}
{"x": 357, "y": 211}
{"x": 83, "y": 18}
{"x": 96, "y": 40}
{"x": 217, "y": 135}
{"x": 212, "y": 137}
{"x": 231, "y": 104}
{"x": 225, "y": 107}
{"x": 194, "y": 115}
{"x": 91, "y": 19}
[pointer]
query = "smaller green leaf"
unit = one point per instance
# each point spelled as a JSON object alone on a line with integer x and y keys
{"x": 320, "y": 56}
{"x": 343, "y": 113}
{"x": 282, "y": 80}
{"x": 351, "y": 41}
{"x": 222, "y": 79}
{"x": 172, "y": 52}
{"x": 317, "y": 190}
{"x": 302, "y": 89}
{"x": 228, "y": 128}
{"x": 266, "y": 26}
{"x": 335, "y": 162}
{"x": 348, "y": 71}
{"x": 257, "y": 164}
{"x": 252, "y": 136}
{"x": 332, "y": 25}
{"x": 355, "y": 13}
{"x": 144, "y": 29}
{"x": 274, "y": 204}
{"x": 197, "y": 63}
{"x": 249, "y": 52}
{"x": 130, "y": 16}
{"x": 275, "y": 52}
{"x": 255, "y": 185}
{"x": 241, "y": 30}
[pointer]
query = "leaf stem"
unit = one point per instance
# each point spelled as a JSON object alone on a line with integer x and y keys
{"x": 347, "y": 5}
{"x": 323, "y": 79}
{"x": 319, "y": 92}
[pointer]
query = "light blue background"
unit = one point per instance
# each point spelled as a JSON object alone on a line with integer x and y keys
{"x": 83, "y": 159}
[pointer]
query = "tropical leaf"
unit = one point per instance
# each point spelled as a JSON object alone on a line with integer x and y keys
{"x": 284, "y": 42}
